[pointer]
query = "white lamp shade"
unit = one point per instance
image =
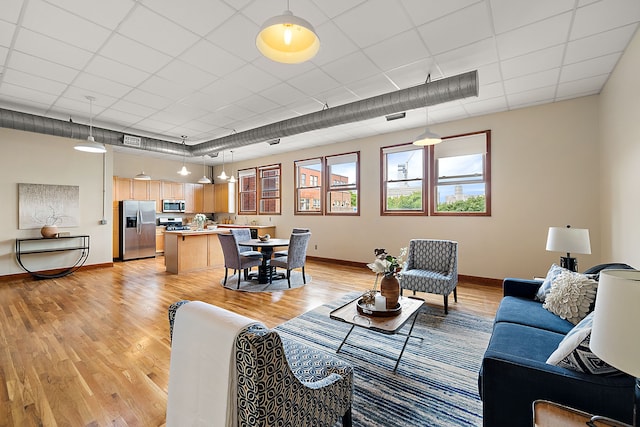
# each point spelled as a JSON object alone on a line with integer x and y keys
{"x": 90, "y": 146}
{"x": 288, "y": 39}
{"x": 184, "y": 171}
{"x": 427, "y": 138}
{"x": 614, "y": 334}
{"x": 569, "y": 240}
{"x": 142, "y": 177}
{"x": 204, "y": 180}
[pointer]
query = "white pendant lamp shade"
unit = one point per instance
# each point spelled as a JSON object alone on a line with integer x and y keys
{"x": 183, "y": 171}
{"x": 288, "y": 39}
{"x": 427, "y": 138}
{"x": 142, "y": 177}
{"x": 204, "y": 179}
{"x": 90, "y": 145}
{"x": 232, "y": 178}
{"x": 223, "y": 176}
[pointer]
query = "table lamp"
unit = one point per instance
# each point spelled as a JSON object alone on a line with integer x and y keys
{"x": 614, "y": 334}
{"x": 567, "y": 239}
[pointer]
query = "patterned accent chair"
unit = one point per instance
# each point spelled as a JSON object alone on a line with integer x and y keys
{"x": 432, "y": 267}
{"x": 296, "y": 256}
{"x": 282, "y": 382}
{"x": 233, "y": 259}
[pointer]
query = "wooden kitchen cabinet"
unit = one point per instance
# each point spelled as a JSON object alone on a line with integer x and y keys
{"x": 224, "y": 198}
{"x": 172, "y": 190}
{"x": 160, "y": 240}
{"x": 140, "y": 189}
{"x": 122, "y": 189}
{"x": 193, "y": 198}
{"x": 155, "y": 193}
{"x": 198, "y": 198}
{"x": 208, "y": 198}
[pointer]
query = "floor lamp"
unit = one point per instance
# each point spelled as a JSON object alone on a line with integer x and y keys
{"x": 567, "y": 239}
{"x": 614, "y": 334}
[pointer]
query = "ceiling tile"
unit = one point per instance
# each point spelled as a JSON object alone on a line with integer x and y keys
{"x": 471, "y": 24}
{"x": 467, "y": 58}
{"x": 372, "y": 86}
{"x": 226, "y": 36}
{"x": 104, "y": 13}
{"x": 413, "y": 74}
{"x": 76, "y": 99}
{"x": 157, "y": 32}
{"x": 134, "y": 54}
{"x": 581, "y": 87}
{"x": 336, "y": 97}
{"x": 282, "y": 94}
{"x": 169, "y": 89}
{"x": 534, "y": 62}
{"x": 209, "y": 57}
{"x": 11, "y": 10}
{"x": 59, "y": 24}
{"x": 541, "y": 35}
{"x": 351, "y": 68}
{"x": 532, "y": 81}
{"x": 20, "y": 92}
{"x": 489, "y": 73}
{"x": 6, "y": 33}
{"x": 257, "y": 104}
{"x": 252, "y": 78}
{"x": 37, "y": 66}
{"x": 531, "y": 97}
{"x": 397, "y": 51}
{"x": 223, "y": 92}
{"x": 19, "y": 78}
{"x": 313, "y": 82}
{"x": 384, "y": 20}
{"x": 422, "y": 11}
{"x": 201, "y": 16}
{"x": 603, "y": 16}
{"x": 599, "y": 44}
{"x": 101, "y": 85}
{"x": 148, "y": 99}
{"x": 116, "y": 71}
{"x": 589, "y": 68}
{"x": 127, "y": 107}
{"x": 334, "y": 44}
{"x": 511, "y": 14}
{"x": 52, "y": 50}
{"x": 492, "y": 104}
{"x": 333, "y": 8}
{"x": 186, "y": 75}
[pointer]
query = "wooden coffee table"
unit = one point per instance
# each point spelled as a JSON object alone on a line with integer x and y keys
{"x": 348, "y": 313}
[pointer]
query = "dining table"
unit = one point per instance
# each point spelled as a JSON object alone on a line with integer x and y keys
{"x": 266, "y": 247}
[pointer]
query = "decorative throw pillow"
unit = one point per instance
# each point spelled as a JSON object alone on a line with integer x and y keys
{"x": 545, "y": 288}
{"x": 571, "y": 296}
{"x": 574, "y": 353}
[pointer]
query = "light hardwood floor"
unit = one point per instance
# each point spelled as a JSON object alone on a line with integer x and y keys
{"x": 93, "y": 349}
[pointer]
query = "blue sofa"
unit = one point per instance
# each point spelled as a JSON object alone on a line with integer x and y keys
{"x": 514, "y": 371}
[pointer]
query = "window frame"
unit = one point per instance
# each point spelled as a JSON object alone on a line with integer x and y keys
{"x": 241, "y": 173}
{"x": 385, "y": 181}
{"x": 433, "y": 180}
{"x": 329, "y": 185}
{"x": 260, "y": 198}
{"x": 297, "y": 186}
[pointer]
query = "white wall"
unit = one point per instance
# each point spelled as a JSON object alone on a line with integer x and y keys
{"x": 541, "y": 177}
{"x": 41, "y": 159}
{"x": 619, "y": 161}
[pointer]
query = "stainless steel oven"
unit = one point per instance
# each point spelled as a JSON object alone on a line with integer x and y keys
{"x": 173, "y": 206}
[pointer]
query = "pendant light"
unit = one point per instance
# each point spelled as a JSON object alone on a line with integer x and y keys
{"x": 232, "y": 179}
{"x": 184, "y": 171}
{"x": 90, "y": 145}
{"x": 427, "y": 137}
{"x": 204, "y": 179}
{"x": 142, "y": 177}
{"x": 223, "y": 176}
{"x": 288, "y": 39}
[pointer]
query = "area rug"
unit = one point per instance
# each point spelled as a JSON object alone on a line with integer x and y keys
{"x": 436, "y": 383}
{"x": 277, "y": 285}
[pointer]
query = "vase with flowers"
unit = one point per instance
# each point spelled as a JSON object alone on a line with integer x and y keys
{"x": 200, "y": 219}
{"x": 387, "y": 266}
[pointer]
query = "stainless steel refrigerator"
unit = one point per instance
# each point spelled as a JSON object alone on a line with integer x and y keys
{"x": 137, "y": 229}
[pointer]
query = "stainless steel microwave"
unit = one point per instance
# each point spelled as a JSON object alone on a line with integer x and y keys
{"x": 173, "y": 206}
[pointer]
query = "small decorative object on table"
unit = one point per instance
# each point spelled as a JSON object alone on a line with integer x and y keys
{"x": 50, "y": 228}
{"x": 200, "y": 219}
{"x": 264, "y": 238}
{"x": 388, "y": 266}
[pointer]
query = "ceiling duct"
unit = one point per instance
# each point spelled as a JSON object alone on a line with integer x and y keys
{"x": 426, "y": 94}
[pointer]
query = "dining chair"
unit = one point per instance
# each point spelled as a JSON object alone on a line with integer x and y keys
{"x": 284, "y": 252}
{"x": 295, "y": 258}
{"x": 233, "y": 259}
{"x": 242, "y": 235}
{"x": 432, "y": 267}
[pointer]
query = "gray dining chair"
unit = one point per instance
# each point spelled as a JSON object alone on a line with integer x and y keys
{"x": 233, "y": 259}
{"x": 285, "y": 252}
{"x": 242, "y": 235}
{"x": 296, "y": 257}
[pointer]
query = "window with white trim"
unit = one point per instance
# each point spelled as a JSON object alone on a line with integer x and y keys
{"x": 343, "y": 184}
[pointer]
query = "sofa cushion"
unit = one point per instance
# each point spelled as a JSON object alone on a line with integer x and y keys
{"x": 571, "y": 297}
{"x": 545, "y": 288}
{"x": 530, "y": 313}
{"x": 574, "y": 353}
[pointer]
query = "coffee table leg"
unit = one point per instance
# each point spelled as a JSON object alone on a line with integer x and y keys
{"x": 415, "y": 316}
{"x": 345, "y": 338}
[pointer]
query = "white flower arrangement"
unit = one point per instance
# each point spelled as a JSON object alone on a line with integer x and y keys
{"x": 200, "y": 218}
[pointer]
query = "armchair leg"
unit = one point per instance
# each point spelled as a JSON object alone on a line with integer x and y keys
{"x": 239, "y": 274}
{"x": 346, "y": 418}
{"x": 289, "y": 277}
{"x": 226, "y": 272}
{"x": 304, "y": 279}
{"x": 455, "y": 293}
{"x": 446, "y": 304}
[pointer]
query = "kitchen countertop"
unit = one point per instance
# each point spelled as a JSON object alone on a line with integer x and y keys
{"x": 243, "y": 226}
{"x": 197, "y": 232}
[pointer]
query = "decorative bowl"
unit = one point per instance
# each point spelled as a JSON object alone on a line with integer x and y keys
{"x": 264, "y": 238}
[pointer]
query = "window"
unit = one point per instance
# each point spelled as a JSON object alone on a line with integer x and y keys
{"x": 269, "y": 189}
{"x": 342, "y": 191}
{"x": 308, "y": 195}
{"x": 403, "y": 172}
{"x": 247, "y": 194}
{"x": 461, "y": 175}
{"x": 458, "y": 182}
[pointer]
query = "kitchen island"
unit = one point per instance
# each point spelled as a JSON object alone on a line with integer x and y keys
{"x": 191, "y": 250}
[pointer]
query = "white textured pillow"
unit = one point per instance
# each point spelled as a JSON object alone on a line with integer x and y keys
{"x": 571, "y": 296}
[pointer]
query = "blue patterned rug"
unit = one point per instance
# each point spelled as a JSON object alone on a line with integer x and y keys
{"x": 436, "y": 383}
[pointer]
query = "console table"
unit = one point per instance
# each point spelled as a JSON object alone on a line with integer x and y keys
{"x": 40, "y": 245}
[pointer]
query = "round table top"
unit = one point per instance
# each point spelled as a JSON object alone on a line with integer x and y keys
{"x": 260, "y": 243}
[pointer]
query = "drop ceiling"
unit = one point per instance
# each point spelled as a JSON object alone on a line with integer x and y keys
{"x": 165, "y": 68}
